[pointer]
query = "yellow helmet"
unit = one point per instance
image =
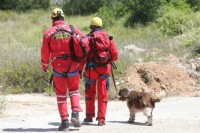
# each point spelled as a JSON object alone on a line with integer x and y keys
{"x": 96, "y": 21}
{"x": 57, "y": 13}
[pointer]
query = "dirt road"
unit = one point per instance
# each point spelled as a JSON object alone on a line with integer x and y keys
{"x": 38, "y": 113}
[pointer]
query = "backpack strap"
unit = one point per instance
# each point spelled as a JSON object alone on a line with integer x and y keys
{"x": 72, "y": 28}
{"x": 58, "y": 30}
{"x": 71, "y": 42}
{"x": 61, "y": 28}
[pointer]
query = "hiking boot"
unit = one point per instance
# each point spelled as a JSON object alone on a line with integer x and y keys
{"x": 88, "y": 120}
{"x": 101, "y": 123}
{"x": 64, "y": 126}
{"x": 75, "y": 119}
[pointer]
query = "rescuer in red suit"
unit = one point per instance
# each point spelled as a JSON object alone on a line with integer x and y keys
{"x": 66, "y": 78}
{"x": 97, "y": 76}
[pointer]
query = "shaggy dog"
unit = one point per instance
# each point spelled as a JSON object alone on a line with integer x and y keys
{"x": 138, "y": 102}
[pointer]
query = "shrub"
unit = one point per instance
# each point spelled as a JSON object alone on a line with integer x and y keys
{"x": 142, "y": 11}
{"x": 41, "y": 4}
{"x": 122, "y": 8}
{"x": 82, "y": 7}
{"x": 178, "y": 4}
{"x": 194, "y": 4}
{"x": 24, "y": 78}
{"x": 175, "y": 21}
{"x": 107, "y": 16}
{"x": 24, "y": 5}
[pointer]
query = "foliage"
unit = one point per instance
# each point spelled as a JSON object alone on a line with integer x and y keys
{"x": 178, "y": 4}
{"x": 174, "y": 21}
{"x": 143, "y": 11}
{"x": 194, "y": 4}
{"x": 137, "y": 11}
{"x": 82, "y": 7}
{"x": 107, "y": 16}
{"x": 24, "y": 78}
{"x": 24, "y": 5}
{"x": 41, "y": 4}
{"x": 121, "y": 8}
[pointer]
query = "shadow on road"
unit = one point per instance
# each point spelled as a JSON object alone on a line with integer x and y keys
{"x": 37, "y": 129}
{"x": 34, "y": 130}
{"x": 125, "y": 122}
{"x": 29, "y": 129}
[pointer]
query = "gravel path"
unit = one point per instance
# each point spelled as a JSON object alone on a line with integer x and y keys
{"x": 38, "y": 113}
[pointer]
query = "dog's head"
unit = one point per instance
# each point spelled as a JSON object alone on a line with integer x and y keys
{"x": 123, "y": 94}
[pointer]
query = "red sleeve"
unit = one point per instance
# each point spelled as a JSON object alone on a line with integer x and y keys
{"x": 45, "y": 50}
{"x": 114, "y": 52}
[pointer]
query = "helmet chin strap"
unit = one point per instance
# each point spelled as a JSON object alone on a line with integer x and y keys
{"x": 93, "y": 27}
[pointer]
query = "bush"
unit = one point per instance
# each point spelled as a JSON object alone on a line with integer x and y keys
{"x": 122, "y": 8}
{"x": 41, "y": 4}
{"x": 107, "y": 16}
{"x": 178, "y": 4}
{"x": 175, "y": 21}
{"x": 194, "y": 4}
{"x": 82, "y": 7}
{"x": 24, "y": 78}
{"x": 142, "y": 11}
{"x": 24, "y": 5}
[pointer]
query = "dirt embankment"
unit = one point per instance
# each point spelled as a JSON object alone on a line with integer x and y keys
{"x": 173, "y": 78}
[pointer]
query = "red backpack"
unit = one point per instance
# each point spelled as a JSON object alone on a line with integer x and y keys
{"x": 101, "y": 48}
{"x": 78, "y": 45}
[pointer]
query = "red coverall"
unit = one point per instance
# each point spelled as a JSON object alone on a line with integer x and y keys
{"x": 97, "y": 76}
{"x": 50, "y": 50}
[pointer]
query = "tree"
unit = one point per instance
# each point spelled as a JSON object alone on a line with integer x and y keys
{"x": 141, "y": 11}
{"x": 24, "y": 5}
{"x": 82, "y": 7}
